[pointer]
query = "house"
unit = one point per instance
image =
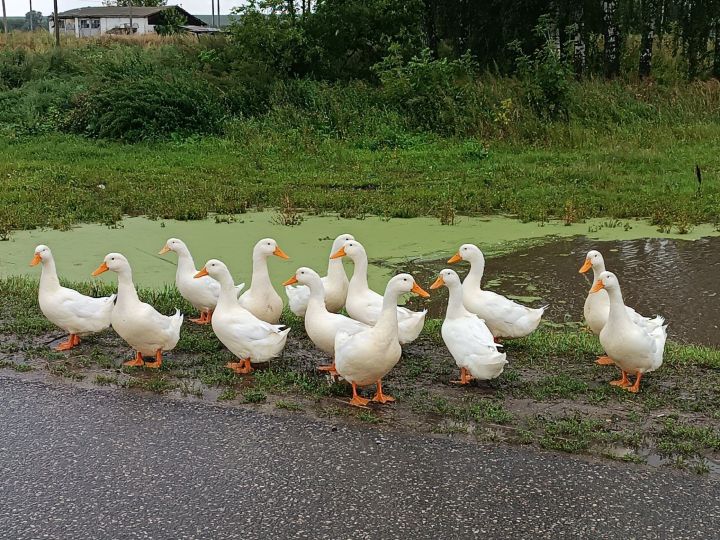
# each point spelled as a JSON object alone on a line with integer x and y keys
{"x": 96, "y": 21}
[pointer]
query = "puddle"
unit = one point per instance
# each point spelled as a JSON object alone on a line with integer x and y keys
{"x": 661, "y": 273}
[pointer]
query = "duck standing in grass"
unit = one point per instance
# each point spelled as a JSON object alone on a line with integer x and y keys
{"x": 597, "y": 304}
{"x": 504, "y": 318}
{"x": 261, "y": 299}
{"x": 201, "y": 293}
{"x": 249, "y": 338}
{"x": 139, "y": 324}
{"x": 365, "y": 357}
{"x": 335, "y": 284}
{"x": 635, "y": 349}
{"x": 365, "y": 305}
{"x": 77, "y": 314}
{"x": 322, "y": 325}
{"x": 466, "y": 336}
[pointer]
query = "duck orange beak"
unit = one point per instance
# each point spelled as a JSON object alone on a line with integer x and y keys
{"x": 455, "y": 258}
{"x": 417, "y": 289}
{"x": 164, "y": 250}
{"x": 339, "y": 253}
{"x": 37, "y": 259}
{"x": 598, "y": 285}
{"x": 585, "y": 267}
{"x": 290, "y": 281}
{"x": 100, "y": 269}
{"x": 280, "y": 253}
{"x": 439, "y": 282}
{"x": 201, "y": 273}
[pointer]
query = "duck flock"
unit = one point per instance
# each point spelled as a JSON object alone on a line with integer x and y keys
{"x": 366, "y": 342}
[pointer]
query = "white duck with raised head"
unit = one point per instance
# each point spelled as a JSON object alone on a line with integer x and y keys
{"x": 202, "y": 293}
{"x": 322, "y": 325}
{"x": 77, "y": 314}
{"x": 139, "y": 324}
{"x": 261, "y": 299}
{"x": 467, "y": 336}
{"x": 504, "y": 317}
{"x": 597, "y": 304}
{"x": 248, "y": 337}
{"x": 365, "y": 305}
{"x": 635, "y": 349}
{"x": 365, "y": 357}
{"x": 335, "y": 284}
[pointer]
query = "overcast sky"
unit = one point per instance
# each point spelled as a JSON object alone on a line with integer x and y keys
{"x": 18, "y": 8}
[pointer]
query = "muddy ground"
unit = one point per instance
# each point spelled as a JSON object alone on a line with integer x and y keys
{"x": 552, "y": 395}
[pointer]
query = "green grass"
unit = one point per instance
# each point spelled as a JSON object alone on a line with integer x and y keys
{"x": 644, "y": 172}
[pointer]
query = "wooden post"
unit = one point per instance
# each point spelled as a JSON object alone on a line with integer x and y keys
{"x": 218, "y": 14}
{"x": 4, "y": 17}
{"x": 131, "y": 23}
{"x": 212, "y": 4}
{"x": 56, "y": 23}
{"x": 31, "y": 16}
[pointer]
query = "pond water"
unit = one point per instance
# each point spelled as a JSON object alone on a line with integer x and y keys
{"x": 675, "y": 276}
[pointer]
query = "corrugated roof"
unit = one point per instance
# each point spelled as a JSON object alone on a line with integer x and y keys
{"x": 112, "y": 11}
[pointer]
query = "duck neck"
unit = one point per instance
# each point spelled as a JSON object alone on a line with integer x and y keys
{"x": 48, "y": 275}
{"x": 336, "y": 271}
{"x": 316, "y": 302}
{"x": 455, "y": 308}
{"x": 597, "y": 270}
{"x": 387, "y": 323}
{"x": 126, "y": 287}
{"x": 359, "y": 277}
{"x": 186, "y": 264}
{"x": 617, "y": 306}
{"x": 228, "y": 293}
{"x": 475, "y": 275}
{"x": 260, "y": 275}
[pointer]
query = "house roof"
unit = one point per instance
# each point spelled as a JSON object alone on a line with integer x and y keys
{"x": 120, "y": 11}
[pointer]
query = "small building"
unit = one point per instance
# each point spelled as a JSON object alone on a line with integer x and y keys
{"x": 97, "y": 21}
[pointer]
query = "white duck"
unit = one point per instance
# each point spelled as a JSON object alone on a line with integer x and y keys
{"x": 365, "y": 357}
{"x": 597, "y": 305}
{"x": 503, "y": 317}
{"x": 320, "y": 324}
{"x": 365, "y": 305}
{"x": 634, "y": 348}
{"x": 246, "y": 336}
{"x": 139, "y": 324}
{"x": 77, "y": 314}
{"x": 467, "y": 337}
{"x": 201, "y": 293}
{"x": 335, "y": 284}
{"x": 261, "y": 299}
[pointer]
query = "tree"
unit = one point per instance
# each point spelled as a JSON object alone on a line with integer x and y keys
{"x": 649, "y": 10}
{"x": 612, "y": 38}
{"x": 171, "y": 21}
{"x": 37, "y": 20}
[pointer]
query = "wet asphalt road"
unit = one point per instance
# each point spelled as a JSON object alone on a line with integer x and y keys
{"x": 99, "y": 464}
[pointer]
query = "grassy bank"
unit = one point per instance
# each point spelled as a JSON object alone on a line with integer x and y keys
{"x": 57, "y": 180}
{"x": 551, "y": 396}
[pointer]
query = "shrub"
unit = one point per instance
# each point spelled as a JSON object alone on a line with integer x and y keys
{"x": 148, "y": 108}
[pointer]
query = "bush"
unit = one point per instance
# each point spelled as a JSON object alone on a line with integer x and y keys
{"x": 148, "y": 108}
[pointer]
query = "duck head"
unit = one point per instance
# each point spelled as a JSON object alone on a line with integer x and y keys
{"x": 215, "y": 269}
{"x": 405, "y": 283}
{"x": 340, "y": 241}
{"x": 304, "y": 276}
{"x": 173, "y": 244}
{"x": 267, "y": 247}
{"x": 351, "y": 248}
{"x": 448, "y": 278}
{"x": 606, "y": 280}
{"x": 593, "y": 260}
{"x": 470, "y": 253}
{"x": 42, "y": 254}
{"x": 115, "y": 262}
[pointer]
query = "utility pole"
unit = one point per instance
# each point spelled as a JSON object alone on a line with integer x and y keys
{"x": 218, "y": 12}
{"x": 4, "y": 17}
{"x": 56, "y": 24}
{"x": 131, "y": 23}
{"x": 31, "y": 16}
{"x": 212, "y": 4}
